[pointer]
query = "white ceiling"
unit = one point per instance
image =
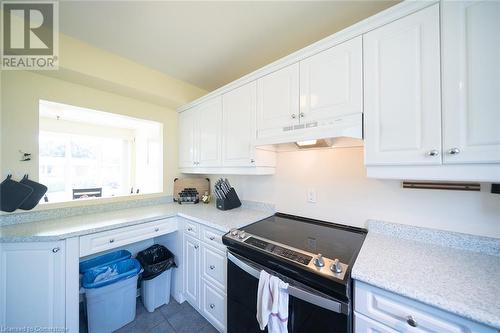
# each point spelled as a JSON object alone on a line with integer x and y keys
{"x": 208, "y": 43}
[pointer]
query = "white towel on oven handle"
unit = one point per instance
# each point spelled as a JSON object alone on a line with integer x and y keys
{"x": 272, "y": 303}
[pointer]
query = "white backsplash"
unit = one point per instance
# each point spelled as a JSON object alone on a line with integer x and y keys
{"x": 345, "y": 195}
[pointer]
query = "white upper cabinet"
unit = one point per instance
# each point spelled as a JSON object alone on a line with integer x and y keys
{"x": 277, "y": 101}
{"x": 188, "y": 138}
{"x": 239, "y": 119}
{"x": 471, "y": 81}
{"x": 331, "y": 82}
{"x": 402, "y": 91}
{"x": 210, "y": 136}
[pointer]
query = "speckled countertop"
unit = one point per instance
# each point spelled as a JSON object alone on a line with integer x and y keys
{"x": 62, "y": 228}
{"x": 454, "y": 272}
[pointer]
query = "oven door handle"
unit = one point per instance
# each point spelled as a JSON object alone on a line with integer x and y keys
{"x": 316, "y": 298}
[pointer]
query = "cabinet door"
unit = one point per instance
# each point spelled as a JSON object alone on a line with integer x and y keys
{"x": 210, "y": 131}
{"x": 191, "y": 270}
{"x": 239, "y": 119}
{"x": 402, "y": 91}
{"x": 188, "y": 138}
{"x": 277, "y": 101}
{"x": 471, "y": 81}
{"x": 331, "y": 82}
{"x": 32, "y": 284}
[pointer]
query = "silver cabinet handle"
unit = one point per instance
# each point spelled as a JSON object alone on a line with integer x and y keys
{"x": 56, "y": 249}
{"x": 454, "y": 151}
{"x": 433, "y": 152}
{"x": 411, "y": 321}
{"x": 111, "y": 240}
{"x": 294, "y": 116}
{"x": 157, "y": 229}
{"x": 212, "y": 306}
{"x": 211, "y": 237}
{"x": 196, "y": 247}
{"x": 212, "y": 267}
{"x": 301, "y": 115}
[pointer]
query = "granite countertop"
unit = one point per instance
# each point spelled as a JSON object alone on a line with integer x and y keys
{"x": 454, "y": 272}
{"x": 62, "y": 228}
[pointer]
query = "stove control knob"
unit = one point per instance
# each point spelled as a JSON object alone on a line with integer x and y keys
{"x": 319, "y": 261}
{"x": 242, "y": 234}
{"x": 234, "y": 232}
{"x": 336, "y": 267}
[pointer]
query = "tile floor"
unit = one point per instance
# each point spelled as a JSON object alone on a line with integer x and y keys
{"x": 171, "y": 318}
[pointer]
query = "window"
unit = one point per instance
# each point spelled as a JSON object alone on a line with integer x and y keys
{"x": 86, "y": 153}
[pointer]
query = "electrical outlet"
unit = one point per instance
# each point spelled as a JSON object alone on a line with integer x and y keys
{"x": 311, "y": 195}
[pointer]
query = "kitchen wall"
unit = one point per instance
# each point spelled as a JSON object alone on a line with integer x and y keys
{"x": 345, "y": 195}
{"x": 20, "y": 94}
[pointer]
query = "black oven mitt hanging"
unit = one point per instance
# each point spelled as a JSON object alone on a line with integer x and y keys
{"x": 39, "y": 191}
{"x": 13, "y": 194}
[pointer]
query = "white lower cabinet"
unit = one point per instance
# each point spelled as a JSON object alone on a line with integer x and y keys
{"x": 32, "y": 285}
{"x": 378, "y": 310}
{"x": 213, "y": 305}
{"x": 204, "y": 272}
{"x": 191, "y": 270}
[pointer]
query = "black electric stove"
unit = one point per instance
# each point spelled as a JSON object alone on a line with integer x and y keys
{"x": 314, "y": 257}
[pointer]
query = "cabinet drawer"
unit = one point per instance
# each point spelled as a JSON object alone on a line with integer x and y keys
{"x": 395, "y": 312}
{"x": 364, "y": 324}
{"x": 192, "y": 229}
{"x": 213, "y": 263}
{"x": 212, "y": 237}
{"x": 213, "y": 306}
{"x": 111, "y": 239}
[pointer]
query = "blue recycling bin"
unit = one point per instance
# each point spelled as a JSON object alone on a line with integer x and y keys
{"x": 110, "y": 294}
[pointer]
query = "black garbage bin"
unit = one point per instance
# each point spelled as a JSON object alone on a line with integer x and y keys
{"x": 157, "y": 262}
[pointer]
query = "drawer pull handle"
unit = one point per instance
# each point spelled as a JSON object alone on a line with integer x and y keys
{"x": 411, "y": 321}
{"x": 55, "y": 250}
{"x": 196, "y": 247}
{"x": 212, "y": 267}
{"x": 190, "y": 229}
{"x": 111, "y": 240}
{"x": 157, "y": 229}
{"x": 212, "y": 306}
{"x": 211, "y": 237}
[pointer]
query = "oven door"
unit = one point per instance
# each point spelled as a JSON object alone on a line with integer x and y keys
{"x": 308, "y": 309}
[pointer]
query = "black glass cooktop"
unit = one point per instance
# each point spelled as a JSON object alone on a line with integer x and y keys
{"x": 330, "y": 239}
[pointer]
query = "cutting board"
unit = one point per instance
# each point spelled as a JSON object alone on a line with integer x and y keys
{"x": 201, "y": 185}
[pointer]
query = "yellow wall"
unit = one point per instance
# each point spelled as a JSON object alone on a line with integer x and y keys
{"x": 84, "y": 64}
{"x": 21, "y": 92}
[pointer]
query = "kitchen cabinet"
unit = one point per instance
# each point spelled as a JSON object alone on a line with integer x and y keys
{"x": 471, "y": 81}
{"x": 32, "y": 284}
{"x": 331, "y": 83}
{"x": 209, "y": 133}
{"x": 218, "y": 136}
{"x": 378, "y": 310}
{"x": 239, "y": 119}
{"x": 191, "y": 272}
{"x": 204, "y": 272}
{"x": 278, "y": 101}
{"x": 200, "y": 135}
{"x": 188, "y": 140}
{"x": 402, "y": 91}
{"x": 213, "y": 306}
{"x": 409, "y": 133}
